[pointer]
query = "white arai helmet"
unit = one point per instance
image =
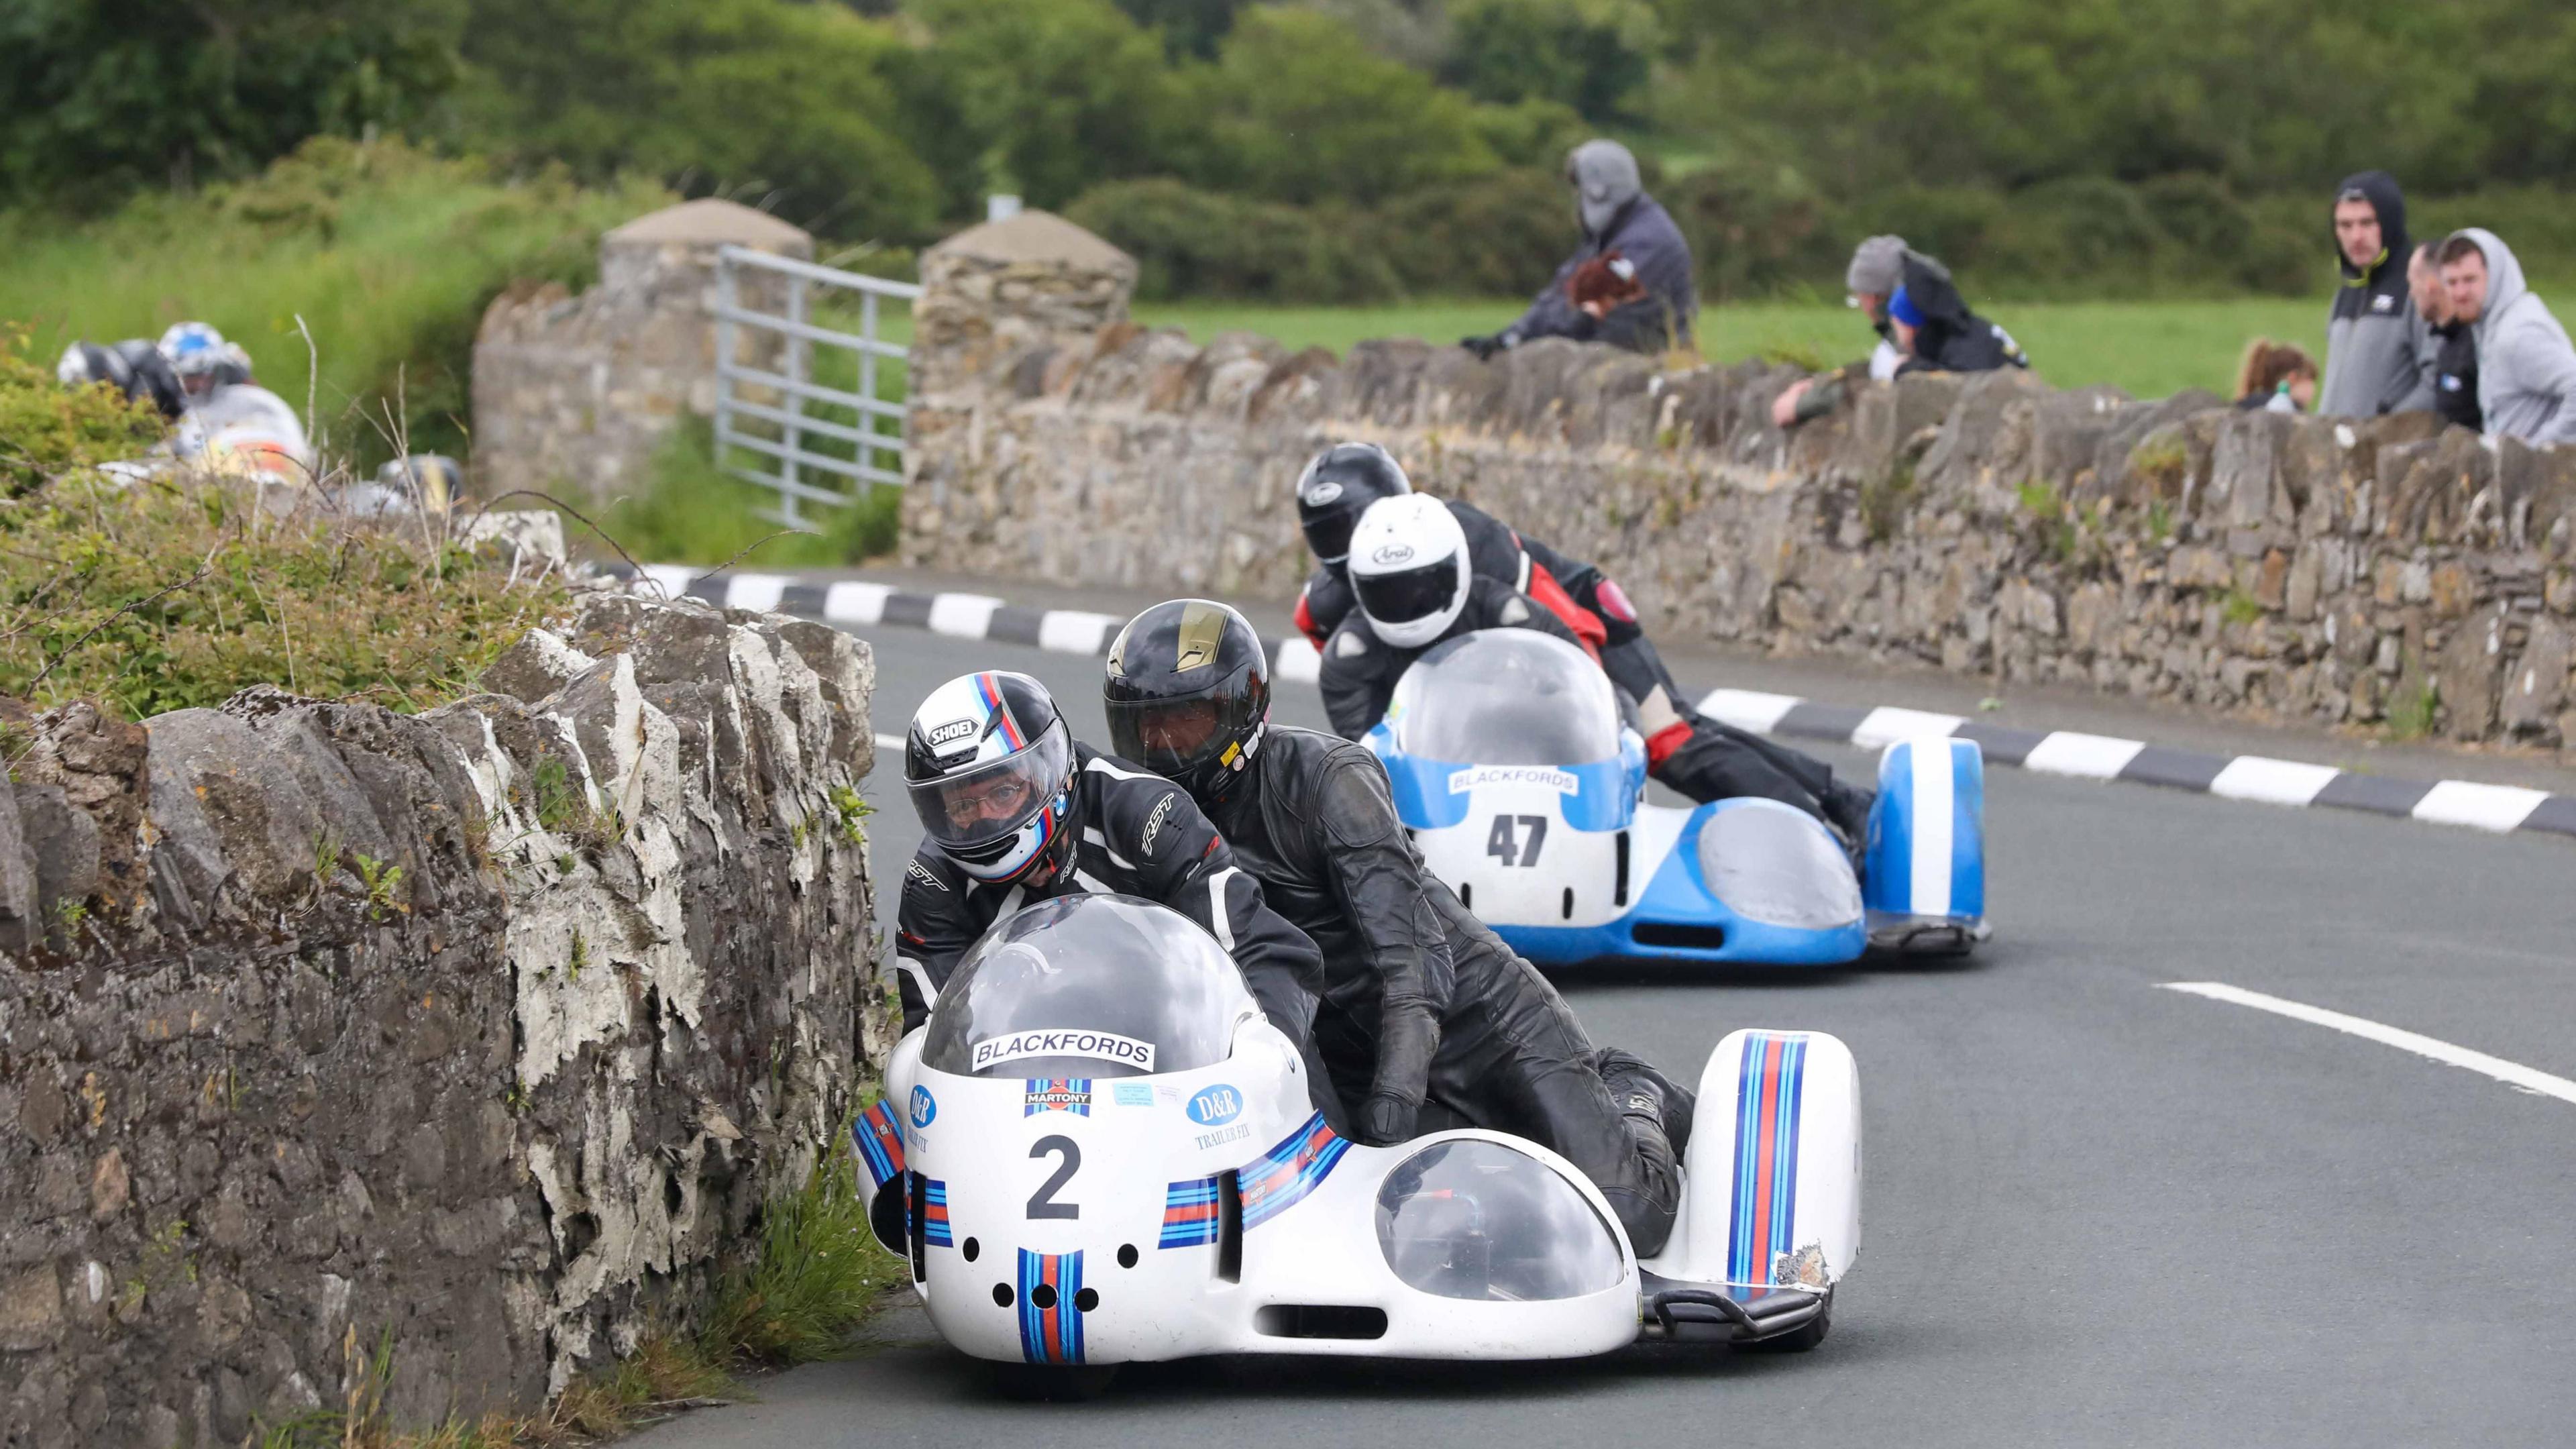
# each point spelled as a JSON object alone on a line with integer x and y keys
{"x": 1408, "y": 568}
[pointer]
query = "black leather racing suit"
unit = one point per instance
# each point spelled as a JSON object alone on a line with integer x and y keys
{"x": 1722, "y": 762}
{"x": 1422, "y": 1003}
{"x": 1140, "y": 835}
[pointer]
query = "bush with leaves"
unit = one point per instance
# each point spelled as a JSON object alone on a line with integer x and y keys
{"x": 178, "y": 592}
{"x": 47, "y": 429}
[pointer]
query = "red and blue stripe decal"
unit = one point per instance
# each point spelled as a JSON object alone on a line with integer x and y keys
{"x": 879, "y": 1142}
{"x": 935, "y": 1231}
{"x": 1052, "y": 1333}
{"x": 1280, "y": 1178}
{"x": 1765, "y": 1201}
{"x": 989, "y": 690}
{"x": 1189, "y": 1213}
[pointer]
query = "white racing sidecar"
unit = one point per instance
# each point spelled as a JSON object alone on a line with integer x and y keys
{"x": 1524, "y": 787}
{"x": 1098, "y": 1151}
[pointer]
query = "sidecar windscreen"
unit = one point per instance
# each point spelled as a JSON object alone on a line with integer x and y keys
{"x": 1089, "y": 986}
{"x": 1476, "y": 1219}
{"x": 1507, "y": 697}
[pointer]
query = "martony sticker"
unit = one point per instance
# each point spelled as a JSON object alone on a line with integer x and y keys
{"x": 1107, "y": 1046}
{"x": 1476, "y": 777}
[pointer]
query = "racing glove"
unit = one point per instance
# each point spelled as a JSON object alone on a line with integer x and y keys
{"x": 1408, "y": 1036}
{"x": 1485, "y": 347}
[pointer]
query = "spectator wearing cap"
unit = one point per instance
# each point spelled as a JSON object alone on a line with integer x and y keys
{"x": 2375, "y": 339}
{"x": 2450, "y": 346}
{"x": 1629, "y": 283}
{"x": 1923, "y": 324}
{"x": 2526, "y": 366}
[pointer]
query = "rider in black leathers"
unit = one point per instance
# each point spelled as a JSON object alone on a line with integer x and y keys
{"x": 1093, "y": 823}
{"x": 1428, "y": 1017}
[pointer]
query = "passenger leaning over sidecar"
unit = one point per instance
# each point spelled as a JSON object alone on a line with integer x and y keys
{"x": 1414, "y": 587}
{"x": 1422, "y": 1003}
{"x": 1344, "y": 481}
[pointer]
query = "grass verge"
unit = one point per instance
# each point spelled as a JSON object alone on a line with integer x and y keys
{"x": 388, "y": 253}
{"x": 692, "y": 512}
{"x": 817, "y": 1275}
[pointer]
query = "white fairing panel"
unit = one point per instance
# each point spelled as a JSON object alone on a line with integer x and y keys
{"x": 1515, "y": 861}
{"x": 1772, "y": 1185}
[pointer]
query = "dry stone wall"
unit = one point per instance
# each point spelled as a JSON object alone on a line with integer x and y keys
{"x": 484, "y": 1033}
{"x": 2374, "y": 573}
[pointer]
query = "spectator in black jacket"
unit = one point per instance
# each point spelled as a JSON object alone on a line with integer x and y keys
{"x": 1629, "y": 284}
{"x": 1920, "y": 317}
{"x": 2375, "y": 342}
{"x": 2450, "y": 356}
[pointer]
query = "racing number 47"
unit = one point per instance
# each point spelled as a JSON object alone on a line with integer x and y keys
{"x": 1519, "y": 848}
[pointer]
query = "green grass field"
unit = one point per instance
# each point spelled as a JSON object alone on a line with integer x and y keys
{"x": 2152, "y": 349}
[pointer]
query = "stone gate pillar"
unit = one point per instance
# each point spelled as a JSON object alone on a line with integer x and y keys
{"x": 573, "y": 394}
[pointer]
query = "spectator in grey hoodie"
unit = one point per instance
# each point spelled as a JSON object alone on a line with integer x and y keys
{"x": 2375, "y": 340}
{"x": 2526, "y": 366}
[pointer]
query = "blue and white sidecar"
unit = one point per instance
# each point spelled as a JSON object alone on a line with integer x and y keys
{"x": 1524, "y": 788}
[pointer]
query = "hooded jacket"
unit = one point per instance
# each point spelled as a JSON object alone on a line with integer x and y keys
{"x": 2375, "y": 339}
{"x": 1951, "y": 338}
{"x": 1618, "y": 216}
{"x": 2526, "y": 366}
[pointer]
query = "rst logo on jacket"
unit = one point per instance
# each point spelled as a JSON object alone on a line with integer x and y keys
{"x": 915, "y": 870}
{"x": 1154, "y": 824}
{"x": 1215, "y": 1106}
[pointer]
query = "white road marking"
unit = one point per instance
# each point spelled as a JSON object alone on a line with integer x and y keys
{"x": 2272, "y": 782}
{"x": 1748, "y": 709}
{"x": 759, "y": 593}
{"x": 889, "y": 742}
{"x": 2092, "y": 757}
{"x": 963, "y": 616}
{"x": 1299, "y": 660}
{"x": 1073, "y": 631}
{"x": 2512, "y": 1074}
{"x": 674, "y": 578}
{"x": 2480, "y": 807}
{"x": 855, "y": 601}
{"x": 1887, "y": 724}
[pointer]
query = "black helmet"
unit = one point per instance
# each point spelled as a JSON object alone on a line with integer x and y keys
{"x": 1337, "y": 487}
{"x": 1188, "y": 694}
{"x": 989, "y": 765}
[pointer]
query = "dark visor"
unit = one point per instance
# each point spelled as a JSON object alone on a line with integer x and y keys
{"x": 1329, "y": 534}
{"x": 1410, "y": 595}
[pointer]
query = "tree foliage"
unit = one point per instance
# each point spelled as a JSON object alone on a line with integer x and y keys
{"x": 107, "y": 95}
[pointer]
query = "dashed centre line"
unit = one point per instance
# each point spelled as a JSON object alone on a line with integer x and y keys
{"x": 2512, "y": 1074}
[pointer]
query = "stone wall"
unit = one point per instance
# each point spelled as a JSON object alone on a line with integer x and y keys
{"x": 482, "y": 1032}
{"x": 2372, "y": 573}
{"x": 575, "y": 393}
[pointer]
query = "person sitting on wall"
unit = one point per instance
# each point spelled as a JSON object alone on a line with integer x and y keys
{"x": 1628, "y": 284}
{"x": 1923, "y": 324}
{"x": 2276, "y": 377}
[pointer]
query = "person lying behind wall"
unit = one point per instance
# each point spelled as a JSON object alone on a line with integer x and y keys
{"x": 1923, "y": 324}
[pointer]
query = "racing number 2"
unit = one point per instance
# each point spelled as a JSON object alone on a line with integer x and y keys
{"x": 1042, "y": 1203}
{"x": 1508, "y": 847}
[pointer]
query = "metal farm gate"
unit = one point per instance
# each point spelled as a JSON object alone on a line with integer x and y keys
{"x": 817, "y": 428}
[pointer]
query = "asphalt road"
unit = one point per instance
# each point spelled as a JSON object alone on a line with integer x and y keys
{"x": 2096, "y": 1212}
